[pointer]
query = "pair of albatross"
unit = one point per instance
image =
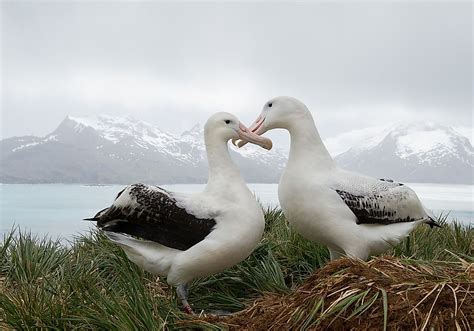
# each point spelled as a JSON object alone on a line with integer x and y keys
{"x": 186, "y": 236}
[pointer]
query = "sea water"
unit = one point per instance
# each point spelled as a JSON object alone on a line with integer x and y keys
{"x": 57, "y": 210}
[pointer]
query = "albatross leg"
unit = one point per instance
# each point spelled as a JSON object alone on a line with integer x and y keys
{"x": 182, "y": 291}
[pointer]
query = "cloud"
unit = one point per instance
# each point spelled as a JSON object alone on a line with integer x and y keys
{"x": 132, "y": 90}
{"x": 354, "y": 64}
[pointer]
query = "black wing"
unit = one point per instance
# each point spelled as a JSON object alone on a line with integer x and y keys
{"x": 382, "y": 202}
{"x": 151, "y": 213}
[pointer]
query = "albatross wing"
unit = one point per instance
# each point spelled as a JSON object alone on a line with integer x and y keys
{"x": 151, "y": 213}
{"x": 381, "y": 201}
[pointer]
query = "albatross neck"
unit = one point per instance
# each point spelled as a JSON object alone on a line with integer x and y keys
{"x": 307, "y": 150}
{"x": 223, "y": 173}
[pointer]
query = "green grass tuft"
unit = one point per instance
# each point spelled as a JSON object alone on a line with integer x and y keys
{"x": 90, "y": 284}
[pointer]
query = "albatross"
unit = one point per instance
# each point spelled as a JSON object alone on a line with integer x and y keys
{"x": 352, "y": 214}
{"x": 186, "y": 236}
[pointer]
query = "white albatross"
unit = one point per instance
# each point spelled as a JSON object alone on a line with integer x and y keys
{"x": 186, "y": 236}
{"x": 352, "y": 214}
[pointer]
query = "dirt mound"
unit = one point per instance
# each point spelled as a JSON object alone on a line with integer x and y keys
{"x": 384, "y": 293}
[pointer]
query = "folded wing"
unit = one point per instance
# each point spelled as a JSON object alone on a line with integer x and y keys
{"x": 151, "y": 213}
{"x": 381, "y": 201}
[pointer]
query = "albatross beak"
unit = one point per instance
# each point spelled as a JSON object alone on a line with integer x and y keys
{"x": 256, "y": 128}
{"x": 247, "y": 135}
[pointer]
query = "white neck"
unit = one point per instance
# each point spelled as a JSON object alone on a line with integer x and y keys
{"x": 307, "y": 149}
{"x": 223, "y": 174}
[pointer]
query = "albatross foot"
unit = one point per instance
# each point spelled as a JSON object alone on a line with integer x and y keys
{"x": 187, "y": 309}
{"x": 182, "y": 291}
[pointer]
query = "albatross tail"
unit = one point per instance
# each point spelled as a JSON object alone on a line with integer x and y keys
{"x": 432, "y": 222}
{"x": 431, "y": 218}
{"x": 151, "y": 256}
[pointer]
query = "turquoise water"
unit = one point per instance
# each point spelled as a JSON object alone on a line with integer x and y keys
{"x": 57, "y": 210}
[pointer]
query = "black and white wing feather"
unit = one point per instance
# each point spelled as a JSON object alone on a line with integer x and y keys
{"x": 151, "y": 213}
{"x": 381, "y": 201}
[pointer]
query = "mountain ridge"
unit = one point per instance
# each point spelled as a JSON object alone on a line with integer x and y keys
{"x": 108, "y": 149}
{"x": 416, "y": 152}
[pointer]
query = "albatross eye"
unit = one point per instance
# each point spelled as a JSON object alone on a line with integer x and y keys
{"x": 270, "y": 105}
{"x": 227, "y": 121}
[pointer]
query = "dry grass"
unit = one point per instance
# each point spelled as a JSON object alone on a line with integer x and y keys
{"x": 384, "y": 293}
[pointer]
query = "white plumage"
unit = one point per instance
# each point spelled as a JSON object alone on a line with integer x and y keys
{"x": 352, "y": 214}
{"x": 186, "y": 236}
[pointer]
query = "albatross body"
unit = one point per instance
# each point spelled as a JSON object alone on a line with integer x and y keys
{"x": 186, "y": 236}
{"x": 352, "y": 214}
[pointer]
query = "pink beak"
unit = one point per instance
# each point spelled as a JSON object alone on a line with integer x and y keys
{"x": 256, "y": 128}
{"x": 247, "y": 135}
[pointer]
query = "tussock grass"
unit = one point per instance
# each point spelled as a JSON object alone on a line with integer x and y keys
{"x": 90, "y": 284}
{"x": 384, "y": 293}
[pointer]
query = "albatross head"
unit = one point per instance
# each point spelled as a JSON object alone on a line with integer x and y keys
{"x": 225, "y": 126}
{"x": 278, "y": 113}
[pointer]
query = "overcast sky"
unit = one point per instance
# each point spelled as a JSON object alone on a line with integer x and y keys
{"x": 353, "y": 64}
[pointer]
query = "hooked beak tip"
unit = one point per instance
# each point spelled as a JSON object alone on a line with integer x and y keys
{"x": 241, "y": 143}
{"x": 269, "y": 145}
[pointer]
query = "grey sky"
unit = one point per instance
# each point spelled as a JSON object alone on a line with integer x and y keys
{"x": 354, "y": 64}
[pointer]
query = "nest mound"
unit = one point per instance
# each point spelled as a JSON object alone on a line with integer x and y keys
{"x": 385, "y": 293}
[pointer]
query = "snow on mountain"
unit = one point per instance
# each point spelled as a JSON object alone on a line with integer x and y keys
{"x": 356, "y": 139}
{"x": 33, "y": 142}
{"x": 183, "y": 147}
{"x": 194, "y": 133}
{"x": 416, "y": 137}
{"x": 107, "y": 149}
{"x": 143, "y": 135}
{"x": 430, "y": 142}
{"x": 423, "y": 152}
{"x": 467, "y": 132}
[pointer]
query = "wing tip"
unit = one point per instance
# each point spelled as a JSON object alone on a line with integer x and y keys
{"x": 432, "y": 223}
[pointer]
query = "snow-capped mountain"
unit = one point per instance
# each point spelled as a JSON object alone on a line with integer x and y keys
{"x": 467, "y": 132}
{"x": 356, "y": 139}
{"x": 107, "y": 149}
{"x": 415, "y": 152}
